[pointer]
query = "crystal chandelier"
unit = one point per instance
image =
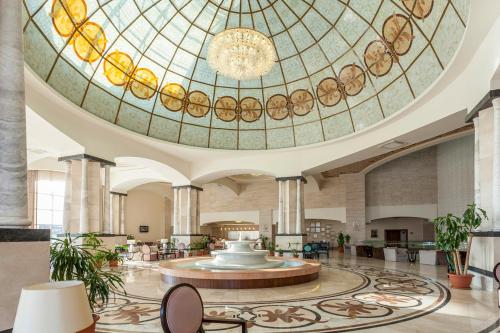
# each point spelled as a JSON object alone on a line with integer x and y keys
{"x": 241, "y": 54}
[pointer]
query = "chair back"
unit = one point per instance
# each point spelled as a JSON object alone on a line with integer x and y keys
{"x": 182, "y": 246}
{"x": 496, "y": 272}
{"x": 146, "y": 249}
{"x": 307, "y": 248}
{"x": 315, "y": 246}
{"x": 211, "y": 246}
{"x": 181, "y": 310}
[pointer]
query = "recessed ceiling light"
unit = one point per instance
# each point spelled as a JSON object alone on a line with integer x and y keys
{"x": 393, "y": 144}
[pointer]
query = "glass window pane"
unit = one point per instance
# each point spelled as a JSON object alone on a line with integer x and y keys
{"x": 44, "y": 201}
{"x": 44, "y": 217}
{"x": 58, "y": 217}
{"x": 58, "y": 203}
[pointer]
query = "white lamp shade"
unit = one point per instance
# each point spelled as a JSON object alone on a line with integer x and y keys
{"x": 131, "y": 242}
{"x": 55, "y": 307}
{"x": 163, "y": 241}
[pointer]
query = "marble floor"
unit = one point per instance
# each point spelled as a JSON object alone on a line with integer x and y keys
{"x": 352, "y": 294}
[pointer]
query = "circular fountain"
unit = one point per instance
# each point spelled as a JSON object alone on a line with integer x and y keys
{"x": 239, "y": 255}
{"x": 241, "y": 267}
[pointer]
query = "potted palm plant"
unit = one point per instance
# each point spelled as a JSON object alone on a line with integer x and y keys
{"x": 113, "y": 258}
{"x": 72, "y": 261}
{"x": 453, "y": 231}
{"x": 341, "y": 242}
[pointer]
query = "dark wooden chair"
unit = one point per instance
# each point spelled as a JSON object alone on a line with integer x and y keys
{"x": 496, "y": 274}
{"x": 181, "y": 311}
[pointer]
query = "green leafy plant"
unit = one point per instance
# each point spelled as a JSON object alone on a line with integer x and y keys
{"x": 294, "y": 248}
{"x": 453, "y": 231}
{"x": 280, "y": 252}
{"x": 347, "y": 238}
{"x": 72, "y": 261}
{"x": 340, "y": 240}
{"x": 113, "y": 256}
{"x": 271, "y": 247}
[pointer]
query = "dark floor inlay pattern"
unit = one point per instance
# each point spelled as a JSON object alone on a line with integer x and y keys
{"x": 385, "y": 297}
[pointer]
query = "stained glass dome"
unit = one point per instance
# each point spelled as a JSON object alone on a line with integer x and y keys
{"x": 342, "y": 65}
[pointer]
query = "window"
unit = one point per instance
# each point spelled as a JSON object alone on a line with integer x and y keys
{"x": 50, "y": 201}
{"x": 316, "y": 227}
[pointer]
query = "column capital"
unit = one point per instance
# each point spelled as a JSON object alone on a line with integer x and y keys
{"x": 282, "y": 179}
{"x": 88, "y": 157}
{"x": 193, "y": 187}
{"x": 484, "y": 103}
{"x": 118, "y": 193}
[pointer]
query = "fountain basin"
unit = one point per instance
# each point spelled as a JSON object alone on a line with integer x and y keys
{"x": 187, "y": 270}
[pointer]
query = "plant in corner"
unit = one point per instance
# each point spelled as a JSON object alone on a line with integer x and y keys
{"x": 451, "y": 233}
{"x": 280, "y": 252}
{"x": 347, "y": 238}
{"x": 72, "y": 261}
{"x": 341, "y": 242}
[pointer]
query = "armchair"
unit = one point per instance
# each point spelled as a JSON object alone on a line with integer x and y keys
{"x": 496, "y": 274}
{"x": 181, "y": 311}
{"x": 147, "y": 254}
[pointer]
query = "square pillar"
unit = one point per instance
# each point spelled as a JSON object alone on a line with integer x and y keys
{"x": 186, "y": 214}
{"x": 290, "y": 213}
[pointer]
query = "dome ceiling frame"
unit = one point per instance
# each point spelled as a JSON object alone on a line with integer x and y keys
{"x": 284, "y": 110}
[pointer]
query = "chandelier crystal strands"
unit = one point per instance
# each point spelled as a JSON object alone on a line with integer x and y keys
{"x": 241, "y": 54}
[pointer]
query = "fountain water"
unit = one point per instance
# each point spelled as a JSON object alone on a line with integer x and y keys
{"x": 240, "y": 255}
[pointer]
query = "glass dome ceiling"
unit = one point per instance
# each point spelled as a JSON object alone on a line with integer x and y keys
{"x": 142, "y": 64}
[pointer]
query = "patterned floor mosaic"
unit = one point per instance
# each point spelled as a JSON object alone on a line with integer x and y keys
{"x": 377, "y": 297}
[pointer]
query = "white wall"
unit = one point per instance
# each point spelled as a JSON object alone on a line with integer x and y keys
{"x": 455, "y": 167}
{"x": 146, "y": 206}
{"x": 418, "y": 229}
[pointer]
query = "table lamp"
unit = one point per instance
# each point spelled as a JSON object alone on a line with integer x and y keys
{"x": 55, "y": 307}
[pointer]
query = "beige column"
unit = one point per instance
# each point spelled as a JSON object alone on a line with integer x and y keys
{"x": 286, "y": 207}
{"x": 477, "y": 163}
{"x": 84, "y": 213}
{"x": 67, "y": 197}
{"x": 123, "y": 202}
{"x": 175, "y": 221}
{"x": 13, "y": 166}
{"x": 115, "y": 212}
{"x": 107, "y": 223}
{"x": 299, "y": 216}
{"x": 189, "y": 212}
{"x": 281, "y": 226}
{"x": 197, "y": 213}
{"x": 355, "y": 205}
{"x": 496, "y": 164}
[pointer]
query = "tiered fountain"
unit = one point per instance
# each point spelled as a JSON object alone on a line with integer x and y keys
{"x": 240, "y": 266}
{"x": 240, "y": 255}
